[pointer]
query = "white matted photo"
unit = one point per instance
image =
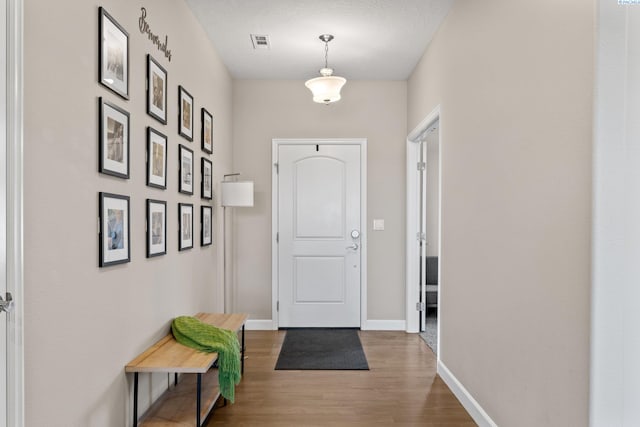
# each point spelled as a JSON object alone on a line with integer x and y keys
{"x": 156, "y": 90}
{"x": 113, "y": 50}
{"x": 156, "y": 159}
{"x": 207, "y": 131}
{"x": 207, "y": 180}
{"x": 185, "y": 157}
{"x": 185, "y": 226}
{"x": 156, "y": 228}
{"x": 114, "y": 229}
{"x": 185, "y": 113}
{"x": 206, "y": 225}
{"x": 114, "y": 140}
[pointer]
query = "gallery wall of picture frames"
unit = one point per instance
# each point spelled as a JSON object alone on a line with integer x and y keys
{"x": 115, "y": 124}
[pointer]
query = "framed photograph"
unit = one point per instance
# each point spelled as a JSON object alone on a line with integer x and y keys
{"x": 156, "y": 228}
{"x": 206, "y": 235}
{"x": 185, "y": 113}
{"x": 186, "y": 170}
{"x": 156, "y": 159}
{"x": 156, "y": 90}
{"x": 114, "y": 229}
{"x": 207, "y": 131}
{"x": 185, "y": 226}
{"x": 207, "y": 174}
{"x": 113, "y": 48}
{"x": 114, "y": 140}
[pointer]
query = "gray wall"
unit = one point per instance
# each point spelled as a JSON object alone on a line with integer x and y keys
{"x": 514, "y": 80}
{"x": 84, "y": 323}
{"x": 263, "y": 110}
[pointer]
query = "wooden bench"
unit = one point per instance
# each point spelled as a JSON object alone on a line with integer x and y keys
{"x": 167, "y": 355}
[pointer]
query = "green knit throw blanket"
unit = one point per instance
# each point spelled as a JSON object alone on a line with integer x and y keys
{"x": 194, "y": 333}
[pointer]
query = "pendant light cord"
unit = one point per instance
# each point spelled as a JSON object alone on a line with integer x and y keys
{"x": 326, "y": 54}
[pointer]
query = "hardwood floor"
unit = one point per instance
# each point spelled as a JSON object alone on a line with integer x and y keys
{"x": 401, "y": 388}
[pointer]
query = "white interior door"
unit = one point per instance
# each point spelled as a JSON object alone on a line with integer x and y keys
{"x": 319, "y": 254}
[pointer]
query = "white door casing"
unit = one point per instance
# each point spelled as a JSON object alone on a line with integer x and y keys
{"x": 12, "y": 187}
{"x": 413, "y": 221}
{"x": 318, "y": 199}
{"x": 3, "y": 216}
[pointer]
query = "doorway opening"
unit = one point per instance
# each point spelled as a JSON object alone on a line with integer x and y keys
{"x": 429, "y": 240}
{"x": 423, "y": 229}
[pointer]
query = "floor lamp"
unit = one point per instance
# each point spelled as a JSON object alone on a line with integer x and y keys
{"x": 234, "y": 194}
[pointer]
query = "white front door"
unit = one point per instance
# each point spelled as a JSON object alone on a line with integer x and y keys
{"x": 319, "y": 254}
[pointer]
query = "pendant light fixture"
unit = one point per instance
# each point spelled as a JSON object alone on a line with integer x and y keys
{"x": 326, "y": 89}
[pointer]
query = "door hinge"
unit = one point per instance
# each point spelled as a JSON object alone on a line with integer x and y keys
{"x": 421, "y": 236}
{"x": 420, "y": 306}
{"x": 422, "y": 166}
{"x": 277, "y": 237}
{"x": 275, "y": 165}
{"x": 277, "y": 305}
{"x": 6, "y": 305}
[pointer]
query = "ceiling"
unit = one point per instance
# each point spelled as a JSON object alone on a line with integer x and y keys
{"x": 374, "y": 39}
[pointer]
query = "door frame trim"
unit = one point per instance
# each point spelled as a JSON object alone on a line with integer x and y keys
{"x": 276, "y": 143}
{"x": 413, "y": 156}
{"x": 15, "y": 197}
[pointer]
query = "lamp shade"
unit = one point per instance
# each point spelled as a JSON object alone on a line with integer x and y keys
{"x": 237, "y": 193}
{"x": 326, "y": 89}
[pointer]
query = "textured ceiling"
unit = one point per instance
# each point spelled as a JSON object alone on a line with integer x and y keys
{"x": 374, "y": 39}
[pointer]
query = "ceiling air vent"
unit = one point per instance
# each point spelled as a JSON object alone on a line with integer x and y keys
{"x": 260, "y": 41}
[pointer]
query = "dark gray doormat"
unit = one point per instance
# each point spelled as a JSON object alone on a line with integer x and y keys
{"x": 322, "y": 349}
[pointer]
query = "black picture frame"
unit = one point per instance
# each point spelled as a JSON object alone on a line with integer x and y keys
{"x": 157, "y": 154}
{"x": 113, "y": 55}
{"x": 156, "y": 228}
{"x": 185, "y": 170}
{"x": 114, "y": 235}
{"x": 207, "y": 131}
{"x": 113, "y": 137}
{"x": 206, "y": 225}
{"x": 156, "y": 90}
{"x": 185, "y": 113}
{"x": 185, "y": 226}
{"x": 206, "y": 179}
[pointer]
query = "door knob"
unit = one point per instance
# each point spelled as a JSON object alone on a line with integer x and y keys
{"x": 354, "y": 247}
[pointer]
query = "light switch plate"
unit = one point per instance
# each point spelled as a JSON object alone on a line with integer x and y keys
{"x": 378, "y": 224}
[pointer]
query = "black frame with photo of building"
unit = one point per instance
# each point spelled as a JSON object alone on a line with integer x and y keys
{"x": 156, "y": 228}
{"x": 206, "y": 225}
{"x": 113, "y": 55}
{"x": 185, "y": 113}
{"x": 156, "y": 90}
{"x": 207, "y": 131}
{"x": 206, "y": 177}
{"x": 185, "y": 226}
{"x": 113, "y": 140}
{"x": 156, "y": 159}
{"x": 114, "y": 234}
{"x": 185, "y": 171}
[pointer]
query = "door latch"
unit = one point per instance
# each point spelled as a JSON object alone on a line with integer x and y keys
{"x": 6, "y": 305}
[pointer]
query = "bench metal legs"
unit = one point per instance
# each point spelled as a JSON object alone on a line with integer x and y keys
{"x": 242, "y": 352}
{"x": 135, "y": 399}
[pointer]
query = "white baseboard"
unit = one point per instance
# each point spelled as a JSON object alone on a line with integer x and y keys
{"x": 470, "y": 404}
{"x": 259, "y": 325}
{"x": 384, "y": 325}
{"x": 370, "y": 325}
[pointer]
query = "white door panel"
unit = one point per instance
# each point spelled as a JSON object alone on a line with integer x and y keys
{"x": 318, "y": 207}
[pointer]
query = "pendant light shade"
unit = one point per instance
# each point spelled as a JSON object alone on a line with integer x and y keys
{"x": 326, "y": 89}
